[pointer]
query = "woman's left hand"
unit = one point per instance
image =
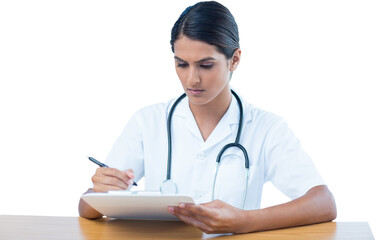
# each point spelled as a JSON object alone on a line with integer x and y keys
{"x": 212, "y": 217}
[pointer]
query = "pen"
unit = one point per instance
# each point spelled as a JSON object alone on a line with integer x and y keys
{"x": 103, "y": 165}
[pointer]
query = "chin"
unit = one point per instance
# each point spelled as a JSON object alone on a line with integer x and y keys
{"x": 198, "y": 100}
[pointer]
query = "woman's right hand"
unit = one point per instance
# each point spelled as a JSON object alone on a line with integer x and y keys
{"x": 108, "y": 179}
{"x": 105, "y": 179}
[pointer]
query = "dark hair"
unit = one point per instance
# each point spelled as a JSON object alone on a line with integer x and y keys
{"x": 210, "y": 22}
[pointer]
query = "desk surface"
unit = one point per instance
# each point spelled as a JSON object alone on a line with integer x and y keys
{"x": 37, "y": 227}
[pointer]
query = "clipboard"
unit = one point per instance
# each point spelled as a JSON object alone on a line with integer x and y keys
{"x": 136, "y": 204}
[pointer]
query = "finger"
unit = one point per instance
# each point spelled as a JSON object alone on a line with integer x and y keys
{"x": 113, "y": 172}
{"x": 194, "y": 222}
{"x": 114, "y": 181}
{"x": 109, "y": 180}
{"x": 129, "y": 173}
{"x": 105, "y": 188}
{"x": 199, "y": 210}
{"x": 185, "y": 212}
{"x": 213, "y": 204}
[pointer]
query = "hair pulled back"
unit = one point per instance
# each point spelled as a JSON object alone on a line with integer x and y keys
{"x": 209, "y": 22}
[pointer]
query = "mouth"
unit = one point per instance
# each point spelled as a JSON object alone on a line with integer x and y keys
{"x": 195, "y": 91}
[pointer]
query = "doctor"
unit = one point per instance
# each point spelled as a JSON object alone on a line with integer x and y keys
{"x": 206, "y": 49}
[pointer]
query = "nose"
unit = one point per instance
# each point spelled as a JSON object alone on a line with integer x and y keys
{"x": 193, "y": 77}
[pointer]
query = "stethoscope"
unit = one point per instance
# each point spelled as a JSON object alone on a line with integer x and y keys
{"x": 169, "y": 187}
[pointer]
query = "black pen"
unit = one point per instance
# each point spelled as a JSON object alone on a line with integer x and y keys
{"x": 103, "y": 165}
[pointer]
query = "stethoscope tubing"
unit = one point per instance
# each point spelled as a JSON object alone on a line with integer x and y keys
{"x": 218, "y": 160}
{"x": 168, "y": 177}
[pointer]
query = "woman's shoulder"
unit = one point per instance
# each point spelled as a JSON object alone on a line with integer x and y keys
{"x": 263, "y": 121}
{"x": 266, "y": 125}
{"x": 154, "y": 111}
{"x": 261, "y": 116}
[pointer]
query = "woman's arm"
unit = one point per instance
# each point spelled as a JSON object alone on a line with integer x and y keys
{"x": 104, "y": 180}
{"x": 317, "y": 205}
{"x": 86, "y": 211}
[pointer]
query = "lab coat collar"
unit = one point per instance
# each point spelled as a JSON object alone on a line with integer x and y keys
{"x": 223, "y": 128}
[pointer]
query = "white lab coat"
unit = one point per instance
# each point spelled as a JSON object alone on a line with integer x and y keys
{"x": 274, "y": 152}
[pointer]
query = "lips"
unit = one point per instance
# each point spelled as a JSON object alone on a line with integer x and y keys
{"x": 195, "y": 91}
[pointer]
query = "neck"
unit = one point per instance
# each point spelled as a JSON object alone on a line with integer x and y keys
{"x": 218, "y": 106}
{"x": 208, "y": 115}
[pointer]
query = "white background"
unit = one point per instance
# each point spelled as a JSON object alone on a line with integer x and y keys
{"x": 73, "y": 72}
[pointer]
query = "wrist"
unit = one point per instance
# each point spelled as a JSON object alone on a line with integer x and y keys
{"x": 246, "y": 221}
{"x": 250, "y": 220}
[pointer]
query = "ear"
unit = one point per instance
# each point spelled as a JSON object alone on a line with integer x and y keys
{"x": 234, "y": 61}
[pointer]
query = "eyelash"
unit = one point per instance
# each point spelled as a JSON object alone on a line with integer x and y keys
{"x": 184, "y": 65}
{"x": 207, "y": 66}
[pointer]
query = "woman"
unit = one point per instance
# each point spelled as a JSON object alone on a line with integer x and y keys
{"x": 205, "y": 42}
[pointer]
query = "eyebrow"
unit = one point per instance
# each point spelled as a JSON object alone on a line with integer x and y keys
{"x": 199, "y": 61}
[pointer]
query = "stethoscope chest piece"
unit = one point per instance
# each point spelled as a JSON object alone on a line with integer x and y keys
{"x": 169, "y": 187}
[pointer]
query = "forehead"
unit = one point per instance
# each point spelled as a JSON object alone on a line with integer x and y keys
{"x": 194, "y": 50}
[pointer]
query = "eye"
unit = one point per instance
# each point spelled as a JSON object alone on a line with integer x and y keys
{"x": 207, "y": 65}
{"x": 182, "y": 65}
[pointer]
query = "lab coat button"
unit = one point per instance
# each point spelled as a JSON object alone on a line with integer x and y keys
{"x": 197, "y": 195}
{"x": 201, "y": 156}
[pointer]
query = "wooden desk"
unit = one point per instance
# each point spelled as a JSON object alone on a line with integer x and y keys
{"x": 72, "y": 228}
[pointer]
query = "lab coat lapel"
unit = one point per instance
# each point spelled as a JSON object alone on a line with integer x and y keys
{"x": 183, "y": 110}
{"x": 192, "y": 125}
{"x": 224, "y": 126}
{"x": 228, "y": 125}
{"x": 221, "y": 131}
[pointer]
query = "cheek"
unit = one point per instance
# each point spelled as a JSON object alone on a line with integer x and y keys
{"x": 216, "y": 76}
{"x": 180, "y": 73}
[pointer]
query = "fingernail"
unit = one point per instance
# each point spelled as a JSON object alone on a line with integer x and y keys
{"x": 182, "y": 205}
{"x": 171, "y": 210}
{"x": 130, "y": 182}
